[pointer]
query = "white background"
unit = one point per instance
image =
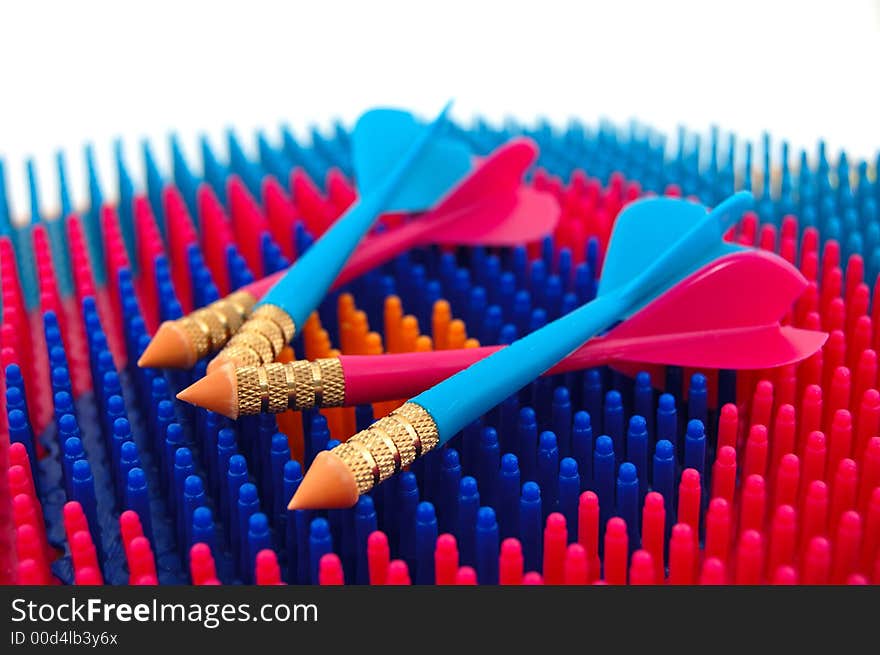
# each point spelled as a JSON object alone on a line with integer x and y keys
{"x": 73, "y": 72}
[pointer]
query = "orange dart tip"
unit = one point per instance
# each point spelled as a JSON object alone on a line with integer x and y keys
{"x": 328, "y": 484}
{"x": 171, "y": 347}
{"x": 217, "y": 391}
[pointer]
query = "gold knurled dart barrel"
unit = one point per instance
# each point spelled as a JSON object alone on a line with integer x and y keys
{"x": 275, "y": 388}
{"x": 388, "y": 445}
{"x": 261, "y": 338}
{"x": 211, "y": 327}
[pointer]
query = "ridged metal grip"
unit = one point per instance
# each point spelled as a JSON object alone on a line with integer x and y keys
{"x": 389, "y": 445}
{"x": 260, "y": 339}
{"x": 297, "y": 385}
{"x": 210, "y": 327}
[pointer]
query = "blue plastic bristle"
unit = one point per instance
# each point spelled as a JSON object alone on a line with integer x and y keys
{"x": 239, "y": 273}
{"x": 155, "y": 184}
{"x": 33, "y": 192}
{"x": 203, "y": 528}
{"x": 82, "y": 490}
{"x": 487, "y": 545}
{"x": 663, "y": 478}
{"x": 548, "y": 467}
{"x": 637, "y": 451}
{"x": 129, "y": 458}
{"x": 628, "y": 501}
{"x": 5, "y": 214}
{"x": 568, "y": 492}
{"x": 466, "y": 515}
{"x": 137, "y": 499}
{"x": 425, "y": 539}
{"x": 92, "y": 217}
{"x": 508, "y": 419}
{"x": 643, "y": 401}
{"x": 530, "y": 525}
{"x": 320, "y": 543}
{"x": 613, "y": 421}
{"x": 270, "y": 160}
{"x": 489, "y": 464}
{"x": 174, "y": 439}
{"x": 288, "y": 535}
{"x": 279, "y": 455}
{"x": 121, "y": 435}
{"x": 125, "y": 206}
{"x": 592, "y": 397}
{"x": 236, "y": 475}
{"x": 182, "y": 469}
{"x": 16, "y": 396}
{"x": 698, "y": 399}
{"x": 508, "y": 493}
{"x": 20, "y": 432}
{"x": 241, "y": 165}
{"x": 527, "y": 440}
{"x": 258, "y": 538}
{"x": 365, "y": 523}
{"x": 695, "y": 447}
{"x": 73, "y": 451}
{"x": 406, "y": 506}
{"x": 193, "y": 497}
{"x": 667, "y": 419}
{"x": 63, "y": 404}
{"x": 248, "y": 504}
{"x": 215, "y": 173}
{"x": 232, "y": 473}
{"x": 184, "y": 180}
{"x": 561, "y": 420}
{"x": 582, "y": 447}
{"x": 603, "y": 476}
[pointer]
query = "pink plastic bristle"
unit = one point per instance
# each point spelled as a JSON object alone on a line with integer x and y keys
{"x": 141, "y": 561}
{"x": 28, "y": 546}
{"x": 88, "y": 576}
{"x": 748, "y": 229}
{"x": 82, "y": 550}
{"x": 810, "y": 266}
{"x": 149, "y": 246}
{"x": 38, "y": 384}
{"x": 16, "y": 316}
{"x": 129, "y": 528}
{"x": 9, "y": 335}
{"x": 767, "y": 239}
{"x": 806, "y": 304}
{"x": 181, "y": 235}
{"x": 201, "y": 565}
{"x": 340, "y": 192}
{"x": 84, "y": 286}
{"x": 857, "y": 309}
{"x": 266, "y": 568}
{"x": 50, "y": 298}
{"x": 116, "y": 260}
{"x": 312, "y": 206}
{"x": 788, "y": 249}
{"x": 789, "y": 229}
{"x": 28, "y": 572}
{"x": 83, "y": 281}
{"x": 216, "y": 235}
{"x": 248, "y": 224}
{"x": 74, "y": 519}
{"x": 24, "y": 511}
{"x": 830, "y": 287}
{"x": 830, "y": 256}
{"x": 281, "y": 215}
{"x": 855, "y": 273}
